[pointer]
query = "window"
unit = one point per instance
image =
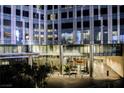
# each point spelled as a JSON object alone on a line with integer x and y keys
{"x": 103, "y": 11}
{"x": 114, "y": 21}
{"x": 25, "y": 13}
{"x": 86, "y": 24}
{"x": 41, "y": 26}
{"x": 52, "y": 17}
{"x": 41, "y": 16}
{"x": 122, "y": 21}
{"x": 17, "y": 12}
{"x": 67, "y": 25}
{"x": 70, "y": 14}
{"x": 49, "y": 7}
{"x": 78, "y": 13}
{"x": 86, "y": 13}
{"x": 7, "y": 10}
{"x": 18, "y": 24}
{"x": 114, "y": 9}
{"x": 97, "y": 23}
{"x": 105, "y": 22}
{"x": 78, "y": 24}
{"x": 35, "y": 26}
{"x": 55, "y": 6}
{"x": 7, "y": 34}
{"x": 63, "y": 6}
{"x": 34, "y": 6}
{"x": 56, "y": 26}
{"x": 35, "y": 15}
{"x": 95, "y": 11}
{"x": 6, "y": 22}
{"x": 41, "y": 6}
{"x": 56, "y": 16}
{"x": 48, "y": 17}
{"x": 64, "y": 15}
{"x": 26, "y": 25}
{"x": 50, "y": 26}
{"x": 121, "y": 8}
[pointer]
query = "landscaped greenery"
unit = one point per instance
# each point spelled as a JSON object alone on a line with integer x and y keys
{"x": 23, "y": 75}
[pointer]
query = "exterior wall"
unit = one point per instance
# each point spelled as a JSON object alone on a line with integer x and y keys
{"x": 114, "y": 62}
{"x": 104, "y": 21}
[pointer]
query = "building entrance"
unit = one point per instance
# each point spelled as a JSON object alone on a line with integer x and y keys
{"x": 75, "y": 65}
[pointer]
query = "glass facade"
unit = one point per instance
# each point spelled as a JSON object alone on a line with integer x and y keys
{"x": 44, "y": 28}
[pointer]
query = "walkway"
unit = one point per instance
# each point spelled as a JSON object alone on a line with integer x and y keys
{"x": 100, "y": 79}
{"x": 100, "y": 71}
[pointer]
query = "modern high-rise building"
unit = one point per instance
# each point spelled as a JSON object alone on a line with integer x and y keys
{"x": 58, "y": 34}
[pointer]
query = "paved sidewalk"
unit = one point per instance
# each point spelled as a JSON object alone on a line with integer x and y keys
{"x": 99, "y": 80}
{"x": 100, "y": 72}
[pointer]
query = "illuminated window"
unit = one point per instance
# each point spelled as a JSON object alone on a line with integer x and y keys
{"x": 7, "y": 34}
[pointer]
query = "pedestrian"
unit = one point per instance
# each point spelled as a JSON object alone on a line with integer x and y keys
{"x": 107, "y": 73}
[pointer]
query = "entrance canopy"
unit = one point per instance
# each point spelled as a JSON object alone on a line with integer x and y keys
{"x": 17, "y": 55}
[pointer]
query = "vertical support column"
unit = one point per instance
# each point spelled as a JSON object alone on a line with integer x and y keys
{"x": 53, "y": 28}
{"x": 99, "y": 11}
{"x": 101, "y": 19}
{"x": 59, "y": 40}
{"x": 23, "y": 21}
{"x": 30, "y": 60}
{"x": 39, "y": 27}
{"x": 109, "y": 24}
{"x": 13, "y": 24}
{"x": 31, "y": 24}
{"x": 45, "y": 24}
{"x": 61, "y": 58}
{"x": 74, "y": 24}
{"x": 118, "y": 22}
{"x": 91, "y": 39}
{"x": 91, "y": 24}
{"x": 21, "y": 12}
{"x": 59, "y": 24}
{"x": 82, "y": 24}
{"x": 122, "y": 47}
{"x": 2, "y": 33}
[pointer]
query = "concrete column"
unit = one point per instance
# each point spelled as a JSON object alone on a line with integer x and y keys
{"x": 59, "y": 40}
{"x": 101, "y": 19}
{"x": 99, "y": 11}
{"x": 30, "y": 60}
{"x": 109, "y": 7}
{"x": 59, "y": 24}
{"x": 61, "y": 59}
{"x": 21, "y": 12}
{"x": 45, "y": 24}
{"x": 2, "y": 32}
{"x": 53, "y": 19}
{"x": 23, "y": 21}
{"x": 30, "y": 24}
{"x": 82, "y": 7}
{"x": 74, "y": 24}
{"x": 118, "y": 22}
{"x": 91, "y": 24}
{"x": 91, "y": 39}
{"x": 39, "y": 27}
{"x": 13, "y": 24}
{"x": 23, "y": 24}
